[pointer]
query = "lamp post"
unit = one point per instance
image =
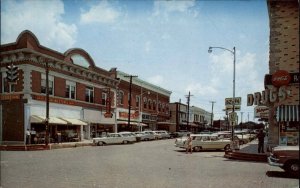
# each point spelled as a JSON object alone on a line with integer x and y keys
{"x": 233, "y": 95}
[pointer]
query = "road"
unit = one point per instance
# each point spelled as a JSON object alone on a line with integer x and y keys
{"x": 154, "y": 164}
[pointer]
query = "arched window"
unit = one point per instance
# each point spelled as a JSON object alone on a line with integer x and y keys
{"x": 149, "y": 104}
{"x": 154, "y": 105}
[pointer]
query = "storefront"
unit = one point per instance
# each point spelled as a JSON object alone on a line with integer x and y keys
{"x": 288, "y": 124}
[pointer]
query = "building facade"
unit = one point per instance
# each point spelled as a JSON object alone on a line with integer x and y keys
{"x": 149, "y": 104}
{"x": 282, "y": 82}
{"x": 81, "y": 95}
{"x": 194, "y": 119}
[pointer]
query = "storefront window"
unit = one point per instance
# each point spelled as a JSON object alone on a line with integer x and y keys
{"x": 289, "y": 133}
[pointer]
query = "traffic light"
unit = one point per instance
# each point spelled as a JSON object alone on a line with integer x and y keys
{"x": 12, "y": 73}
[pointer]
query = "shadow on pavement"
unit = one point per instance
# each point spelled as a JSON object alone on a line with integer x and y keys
{"x": 279, "y": 174}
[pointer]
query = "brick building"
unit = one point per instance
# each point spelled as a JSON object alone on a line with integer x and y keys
{"x": 149, "y": 104}
{"x": 283, "y": 78}
{"x": 84, "y": 100}
{"x": 80, "y": 94}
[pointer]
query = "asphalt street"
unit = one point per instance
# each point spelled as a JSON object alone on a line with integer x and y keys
{"x": 154, "y": 164}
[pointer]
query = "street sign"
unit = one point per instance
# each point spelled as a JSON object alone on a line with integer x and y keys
{"x": 230, "y": 108}
{"x": 233, "y": 118}
{"x": 229, "y": 101}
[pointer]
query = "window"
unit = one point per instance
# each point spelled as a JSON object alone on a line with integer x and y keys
{"x": 154, "y": 105}
{"x": 103, "y": 99}
{"x": 7, "y": 88}
{"x": 121, "y": 97}
{"x": 145, "y": 102}
{"x": 150, "y": 104}
{"x": 137, "y": 101}
{"x": 70, "y": 90}
{"x": 50, "y": 84}
{"x": 89, "y": 94}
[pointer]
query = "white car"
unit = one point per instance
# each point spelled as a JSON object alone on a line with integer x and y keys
{"x": 243, "y": 136}
{"x": 204, "y": 142}
{"x": 156, "y": 136}
{"x": 114, "y": 138}
{"x": 164, "y": 134}
{"x": 145, "y": 136}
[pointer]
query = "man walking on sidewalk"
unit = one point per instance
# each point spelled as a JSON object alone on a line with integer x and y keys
{"x": 261, "y": 138}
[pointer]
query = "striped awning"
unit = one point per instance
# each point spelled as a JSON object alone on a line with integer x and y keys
{"x": 288, "y": 113}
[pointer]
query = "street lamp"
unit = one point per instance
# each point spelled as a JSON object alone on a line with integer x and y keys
{"x": 140, "y": 107}
{"x": 233, "y": 95}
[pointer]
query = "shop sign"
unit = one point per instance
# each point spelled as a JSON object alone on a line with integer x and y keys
{"x": 124, "y": 115}
{"x": 294, "y": 79}
{"x": 281, "y": 78}
{"x": 261, "y": 112}
{"x": 54, "y": 100}
{"x": 229, "y": 101}
{"x": 10, "y": 97}
{"x": 230, "y": 108}
{"x": 268, "y": 96}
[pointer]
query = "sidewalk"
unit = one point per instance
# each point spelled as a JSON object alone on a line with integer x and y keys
{"x": 248, "y": 152}
{"x": 33, "y": 147}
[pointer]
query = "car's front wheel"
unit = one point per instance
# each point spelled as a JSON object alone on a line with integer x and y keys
{"x": 292, "y": 167}
{"x": 125, "y": 142}
{"x": 197, "y": 149}
{"x": 100, "y": 144}
{"x": 227, "y": 147}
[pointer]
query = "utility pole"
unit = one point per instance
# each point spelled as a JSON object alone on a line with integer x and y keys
{"x": 129, "y": 100}
{"x": 188, "y": 110}
{"x": 212, "y": 112}
{"x": 47, "y": 105}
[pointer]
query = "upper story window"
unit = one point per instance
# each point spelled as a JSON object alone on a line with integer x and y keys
{"x": 145, "y": 102}
{"x": 50, "y": 84}
{"x": 150, "y": 104}
{"x": 137, "y": 101}
{"x": 121, "y": 97}
{"x": 6, "y": 87}
{"x": 89, "y": 94}
{"x": 70, "y": 90}
{"x": 154, "y": 105}
{"x": 103, "y": 98}
{"x": 159, "y": 106}
{"x": 80, "y": 60}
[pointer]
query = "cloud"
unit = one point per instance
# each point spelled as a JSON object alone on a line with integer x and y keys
{"x": 43, "y": 18}
{"x": 172, "y": 6}
{"x": 156, "y": 80}
{"x": 101, "y": 13}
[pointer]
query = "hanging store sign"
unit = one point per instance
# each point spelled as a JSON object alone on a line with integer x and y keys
{"x": 261, "y": 112}
{"x": 281, "y": 78}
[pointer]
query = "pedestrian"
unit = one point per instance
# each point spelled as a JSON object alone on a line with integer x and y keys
{"x": 189, "y": 144}
{"x": 261, "y": 138}
{"x": 27, "y": 136}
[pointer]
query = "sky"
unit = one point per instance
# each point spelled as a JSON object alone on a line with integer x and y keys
{"x": 163, "y": 42}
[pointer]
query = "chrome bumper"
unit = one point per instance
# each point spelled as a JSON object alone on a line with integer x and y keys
{"x": 273, "y": 161}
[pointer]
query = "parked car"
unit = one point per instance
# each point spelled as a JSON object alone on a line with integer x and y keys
{"x": 115, "y": 138}
{"x": 285, "y": 157}
{"x": 164, "y": 134}
{"x": 156, "y": 135}
{"x": 204, "y": 142}
{"x": 145, "y": 136}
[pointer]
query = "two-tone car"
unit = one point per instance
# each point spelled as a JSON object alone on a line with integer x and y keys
{"x": 285, "y": 157}
{"x": 115, "y": 138}
{"x": 204, "y": 142}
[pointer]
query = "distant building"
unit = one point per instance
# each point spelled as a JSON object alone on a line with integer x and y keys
{"x": 195, "y": 122}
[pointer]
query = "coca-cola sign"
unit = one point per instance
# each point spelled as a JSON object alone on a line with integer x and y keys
{"x": 281, "y": 78}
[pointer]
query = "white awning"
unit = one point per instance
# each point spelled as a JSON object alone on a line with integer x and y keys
{"x": 74, "y": 121}
{"x": 52, "y": 120}
{"x": 288, "y": 113}
{"x": 126, "y": 122}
